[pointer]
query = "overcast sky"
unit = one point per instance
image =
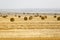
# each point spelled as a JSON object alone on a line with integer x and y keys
{"x": 17, "y": 4}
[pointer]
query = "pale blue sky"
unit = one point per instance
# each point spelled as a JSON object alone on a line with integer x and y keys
{"x": 17, "y": 4}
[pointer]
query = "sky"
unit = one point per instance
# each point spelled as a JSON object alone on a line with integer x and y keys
{"x": 18, "y": 4}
